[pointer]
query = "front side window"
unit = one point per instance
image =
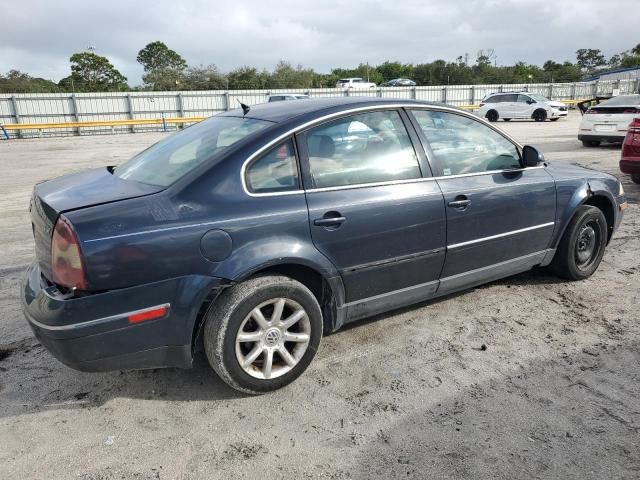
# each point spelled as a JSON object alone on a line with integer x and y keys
{"x": 462, "y": 145}
{"x": 364, "y": 148}
{"x": 525, "y": 99}
{"x": 172, "y": 158}
{"x": 275, "y": 171}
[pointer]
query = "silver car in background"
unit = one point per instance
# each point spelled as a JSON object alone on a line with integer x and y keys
{"x": 609, "y": 120}
{"x": 508, "y": 105}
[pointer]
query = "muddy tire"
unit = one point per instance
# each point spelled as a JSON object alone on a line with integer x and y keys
{"x": 582, "y": 245}
{"x": 262, "y": 334}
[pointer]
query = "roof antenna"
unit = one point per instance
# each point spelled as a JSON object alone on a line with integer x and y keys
{"x": 245, "y": 108}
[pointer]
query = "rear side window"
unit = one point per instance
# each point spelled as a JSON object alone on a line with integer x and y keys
{"x": 509, "y": 98}
{"x": 172, "y": 158}
{"x": 275, "y": 171}
{"x": 493, "y": 99}
{"x": 359, "y": 149}
{"x": 276, "y": 99}
{"x": 462, "y": 145}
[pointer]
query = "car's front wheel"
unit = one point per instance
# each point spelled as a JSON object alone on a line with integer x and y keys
{"x": 582, "y": 246}
{"x": 262, "y": 334}
{"x": 540, "y": 115}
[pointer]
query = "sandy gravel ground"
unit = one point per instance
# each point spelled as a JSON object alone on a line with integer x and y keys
{"x": 555, "y": 394}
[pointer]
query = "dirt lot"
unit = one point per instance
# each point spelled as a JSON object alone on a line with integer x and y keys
{"x": 555, "y": 394}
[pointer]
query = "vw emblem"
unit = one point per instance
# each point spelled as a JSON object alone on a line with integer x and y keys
{"x": 272, "y": 337}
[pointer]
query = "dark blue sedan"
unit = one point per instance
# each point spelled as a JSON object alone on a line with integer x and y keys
{"x": 258, "y": 230}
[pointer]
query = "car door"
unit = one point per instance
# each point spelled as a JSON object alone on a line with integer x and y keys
{"x": 371, "y": 212}
{"x": 508, "y": 105}
{"x": 524, "y": 106}
{"x": 500, "y": 216}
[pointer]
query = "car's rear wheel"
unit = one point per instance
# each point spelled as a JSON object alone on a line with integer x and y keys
{"x": 635, "y": 178}
{"x": 540, "y": 115}
{"x": 590, "y": 143}
{"x": 582, "y": 245}
{"x": 262, "y": 334}
{"x": 492, "y": 116}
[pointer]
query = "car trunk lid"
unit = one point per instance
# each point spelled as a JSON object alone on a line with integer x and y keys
{"x": 73, "y": 192}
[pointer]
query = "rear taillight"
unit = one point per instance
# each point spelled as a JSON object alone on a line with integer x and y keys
{"x": 634, "y": 126}
{"x": 67, "y": 266}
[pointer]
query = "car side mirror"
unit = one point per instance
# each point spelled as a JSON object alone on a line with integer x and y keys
{"x": 531, "y": 157}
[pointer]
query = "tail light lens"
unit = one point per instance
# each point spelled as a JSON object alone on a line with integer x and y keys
{"x": 634, "y": 126}
{"x": 67, "y": 265}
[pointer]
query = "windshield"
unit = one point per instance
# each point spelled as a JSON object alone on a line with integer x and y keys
{"x": 172, "y": 158}
{"x": 622, "y": 100}
{"x": 538, "y": 98}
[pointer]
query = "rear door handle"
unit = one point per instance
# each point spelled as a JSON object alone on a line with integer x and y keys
{"x": 330, "y": 219}
{"x": 460, "y": 202}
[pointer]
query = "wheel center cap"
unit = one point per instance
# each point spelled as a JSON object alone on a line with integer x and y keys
{"x": 272, "y": 337}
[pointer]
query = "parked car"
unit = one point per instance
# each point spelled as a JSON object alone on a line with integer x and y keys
{"x": 608, "y": 121}
{"x": 347, "y": 83}
{"x": 399, "y": 82}
{"x": 280, "y": 97}
{"x": 254, "y": 232}
{"x": 630, "y": 161}
{"x": 510, "y": 105}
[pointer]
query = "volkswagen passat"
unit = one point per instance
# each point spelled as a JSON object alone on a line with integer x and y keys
{"x": 258, "y": 230}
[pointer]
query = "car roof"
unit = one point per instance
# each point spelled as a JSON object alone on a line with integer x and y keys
{"x": 283, "y": 111}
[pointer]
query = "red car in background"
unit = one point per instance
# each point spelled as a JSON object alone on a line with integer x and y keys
{"x": 630, "y": 161}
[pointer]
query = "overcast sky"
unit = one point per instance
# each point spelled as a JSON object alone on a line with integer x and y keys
{"x": 38, "y": 36}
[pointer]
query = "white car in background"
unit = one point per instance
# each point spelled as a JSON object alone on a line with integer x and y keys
{"x": 609, "y": 120}
{"x": 354, "y": 82}
{"x": 508, "y": 105}
{"x": 280, "y": 97}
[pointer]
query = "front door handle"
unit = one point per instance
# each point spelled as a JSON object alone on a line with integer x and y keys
{"x": 461, "y": 202}
{"x": 330, "y": 220}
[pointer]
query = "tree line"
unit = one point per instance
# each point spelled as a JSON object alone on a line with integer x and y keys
{"x": 165, "y": 69}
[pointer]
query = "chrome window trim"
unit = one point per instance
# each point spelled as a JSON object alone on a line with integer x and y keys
{"x": 98, "y": 321}
{"x": 500, "y": 235}
{"x": 423, "y": 179}
{"x": 393, "y": 106}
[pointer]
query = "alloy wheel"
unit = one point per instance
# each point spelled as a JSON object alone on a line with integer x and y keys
{"x": 273, "y": 338}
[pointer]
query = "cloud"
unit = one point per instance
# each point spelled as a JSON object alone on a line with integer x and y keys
{"x": 39, "y": 36}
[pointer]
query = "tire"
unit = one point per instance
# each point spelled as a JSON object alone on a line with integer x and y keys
{"x": 635, "y": 178}
{"x": 582, "y": 245}
{"x": 539, "y": 115}
{"x": 492, "y": 116}
{"x": 554, "y": 119}
{"x": 233, "y": 313}
{"x": 590, "y": 143}
{"x": 507, "y": 119}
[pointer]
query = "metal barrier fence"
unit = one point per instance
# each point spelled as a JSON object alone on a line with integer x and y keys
{"x": 144, "y": 111}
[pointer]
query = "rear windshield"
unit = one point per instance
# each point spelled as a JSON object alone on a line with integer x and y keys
{"x": 172, "y": 158}
{"x": 622, "y": 100}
